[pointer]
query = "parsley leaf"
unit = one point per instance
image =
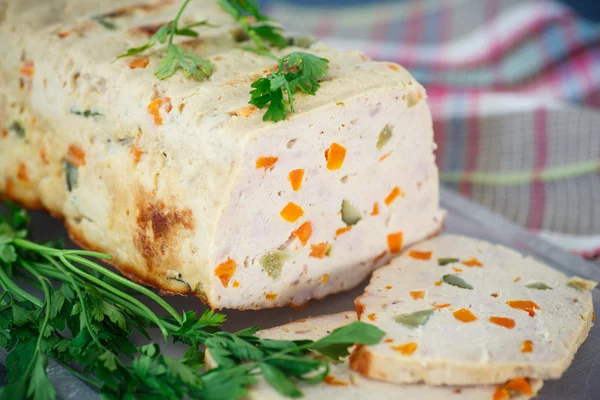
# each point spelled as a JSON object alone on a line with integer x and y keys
{"x": 176, "y": 58}
{"x": 257, "y": 26}
{"x": 297, "y": 71}
{"x": 99, "y": 313}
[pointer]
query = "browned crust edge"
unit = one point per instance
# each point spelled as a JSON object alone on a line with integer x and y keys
{"x": 128, "y": 270}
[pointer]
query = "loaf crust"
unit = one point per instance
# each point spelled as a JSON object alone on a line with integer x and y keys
{"x": 152, "y": 171}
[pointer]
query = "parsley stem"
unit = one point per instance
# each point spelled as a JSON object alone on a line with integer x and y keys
{"x": 176, "y": 21}
{"x": 12, "y": 287}
{"x": 47, "y": 306}
{"x": 84, "y": 310}
{"x": 132, "y": 285}
{"x": 81, "y": 376}
{"x": 108, "y": 287}
{"x": 26, "y": 244}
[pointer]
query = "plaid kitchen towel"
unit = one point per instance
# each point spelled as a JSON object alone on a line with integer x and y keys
{"x": 514, "y": 88}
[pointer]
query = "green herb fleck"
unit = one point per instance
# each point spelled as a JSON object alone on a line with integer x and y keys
{"x": 17, "y": 129}
{"x": 103, "y": 20}
{"x": 350, "y": 214}
{"x": 297, "y": 71}
{"x": 272, "y": 262}
{"x": 446, "y": 261}
{"x": 457, "y": 281}
{"x": 329, "y": 250}
{"x": 71, "y": 175}
{"x": 538, "y": 286}
{"x": 384, "y": 136}
{"x": 414, "y": 320}
{"x": 86, "y": 113}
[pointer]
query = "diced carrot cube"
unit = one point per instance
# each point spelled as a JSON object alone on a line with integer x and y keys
{"x": 464, "y": 315}
{"x": 76, "y": 155}
{"x": 266, "y": 162}
{"x": 225, "y": 271}
{"x": 296, "y": 177}
{"x": 420, "y": 255}
{"x": 291, "y": 212}
{"x": 139, "y": 62}
{"x": 303, "y": 232}
{"x": 335, "y": 156}
{"x": 393, "y": 194}
{"x": 395, "y": 242}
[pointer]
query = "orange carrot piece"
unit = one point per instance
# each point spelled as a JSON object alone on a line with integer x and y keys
{"x": 225, "y": 271}
{"x": 372, "y": 316}
{"x": 457, "y": 269}
{"x": 303, "y": 232}
{"x": 318, "y": 250}
{"x": 440, "y": 306}
{"x": 501, "y": 394}
{"x": 393, "y": 194}
{"x": 296, "y": 177}
{"x": 139, "y": 62}
{"x": 438, "y": 283}
{"x": 417, "y": 294}
{"x": 472, "y": 262}
{"x": 517, "y": 279}
{"x": 464, "y": 315}
{"x": 155, "y": 106}
{"x": 342, "y": 230}
{"x": 330, "y": 380}
{"x": 44, "y": 155}
{"x": 375, "y": 209}
{"x": 76, "y": 155}
{"x": 527, "y": 346}
{"x": 324, "y": 278}
{"x": 335, "y": 156}
{"x": 271, "y": 296}
{"x": 386, "y": 155}
{"x": 235, "y": 284}
{"x": 136, "y": 152}
{"x": 291, "y": 212}
{"x": 508, "y": 323}
{"x": 420, "y": 255}
{"x": 406, "y": 349}
{"x": 27, "y": 69}
{"x": 388, "y": 287}
{"x": 245, "y": 111}
{"x": 395, "y": 242}
{"x": 266, "y": 162}
{"x": 526, "y": 305}
{"x": 519, "y": 385}
{"x": 22, "y": 172}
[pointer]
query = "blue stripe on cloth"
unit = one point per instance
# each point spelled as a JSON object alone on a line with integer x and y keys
{"x": 456, "y": 134}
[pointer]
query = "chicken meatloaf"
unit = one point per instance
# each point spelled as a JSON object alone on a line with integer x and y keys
{"x": 182, "y": 182}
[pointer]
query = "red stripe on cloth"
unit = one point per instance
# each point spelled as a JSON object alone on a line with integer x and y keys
{"x": 379, "y": 37}
{"x": 472, "y": 142}
{"x": 414, "y": 24}
{"x": 537, "y": 204}
{"x": 499, "y": 48}
{"x": 437, "y": 103}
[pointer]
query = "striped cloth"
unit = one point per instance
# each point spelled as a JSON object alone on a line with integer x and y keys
{"x": 514, "y": 88}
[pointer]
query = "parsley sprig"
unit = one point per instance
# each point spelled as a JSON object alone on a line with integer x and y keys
{"x": 297, "y": 71}
{"x": 176, "y": 57}
{"x": 256, "y": 25}
{"x": 87, "y": 314}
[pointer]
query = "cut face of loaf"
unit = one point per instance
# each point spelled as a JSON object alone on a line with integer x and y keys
{"x": 345, "y": 384}
{"x": 471, "y": 313}
{"x": 183, "y": 183}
